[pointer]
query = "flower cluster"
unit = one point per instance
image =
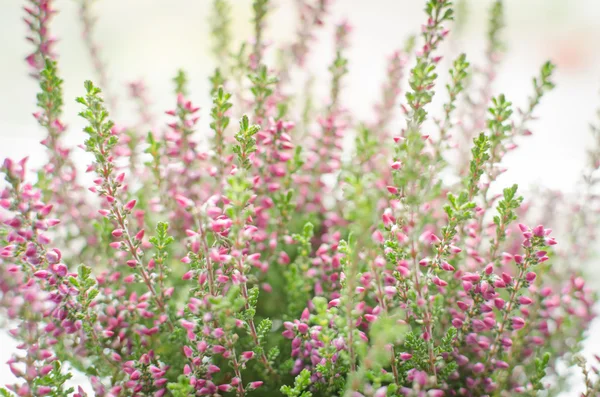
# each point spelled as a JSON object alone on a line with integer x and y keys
{"x": 271, "y": 259}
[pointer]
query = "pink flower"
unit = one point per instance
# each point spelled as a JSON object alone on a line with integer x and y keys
{"x": 518, "y": 322}
{"x": 255, "y": 385}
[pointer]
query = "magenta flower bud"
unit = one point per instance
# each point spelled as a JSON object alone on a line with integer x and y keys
{"x": 402, "y": 238}
{"x": 447, "y": 267}
{"x": 202, "y": 346}
{"x": 499, "y": 303}
{"x": 420, "y": 377}
{"x": 489, "y": 269}
{"x": 489, "y": 322}
{"x": 472, "y": 277}
{"x": 61, "y": 270}
{"x": 43, "y": 239}
{"x": 370, "y": 318}
{"x": 502, "y": 365}
{"x": 377, "y": 237}
{"x": 213, "y": 369}
{"x": 255, "y": 385}
{"x": 454, "y": 249}
{"x": 478, "y": 368}
{"x": 538, "y": 231}
{"x": 363, "y": 336}
{"x": 518, "y": 322}
{"x": 539, "y": 341}
{"x": 467, "y": 286}
{"x": 130, "y": 205}
{"x": 524, "y": 300}
{"x": 433, "y": 239}
{"x": 52, "y": 257}
{"x": 530, "y": 277}
{"x": 255, "y": 257}
{"x": 506, "y": 278}
{"x": 579, "y": 283}
{"x": 44, "y": 390}
{"x": 45, "y": 210}
{"x": 439, "y": 282}
{"x": 248, "y": 355}
{"x": 523, "y": 228}
{"x": 499, "y": 283}
{"x": 41, "y": 274}
{"x": 189, "y": 325}
{"x": 188, "y": 351}
{"x": 188, "y": 275}
{"x": 218, "y": 333}
{"x": 518, "y": 259}
{"x": 302, "y": 328}
{"x": 225, "y": 387}
{"x": 392, "y": 189}
{"x": 462, "y": 305}
{"x": 117, "y": 232}
{"x": 222, "y": 278}
{"x": 334, "y": 303}
{"x": 46, "y": 369}
{"x": 183, "y": 201}
{"x": 396, "y": 165}
{"x": 140, "y": 235}
{"x": 405, "y": 356}
{"x": 135, "y": 375}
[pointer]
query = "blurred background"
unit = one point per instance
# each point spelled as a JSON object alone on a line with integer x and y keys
{"x": 151, "y": 39}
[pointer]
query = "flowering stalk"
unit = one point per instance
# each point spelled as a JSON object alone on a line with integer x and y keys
{"x": 245, "y": 147}
{"x": 219, "y": 124}
{"x": 458, "y": 74}
{"x": 260, "y": 8}
{"x": 409, "y": 154}
{"x": 534, "y": 243}
{"x": 139, "y": 94}
{"x": 221, "y": 31}
{"x": 40, "y": 13}
{"x": 494, "y": 53}
{"x": 88, "y": 22}
{"x": 39, "y": 277}
{"x": 311, "y": 16}
{"x": 100, "y": 143}
{"x": 391, "y": 91}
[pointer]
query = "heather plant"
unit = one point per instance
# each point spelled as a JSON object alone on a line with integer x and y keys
{"x": 271, "y": 260}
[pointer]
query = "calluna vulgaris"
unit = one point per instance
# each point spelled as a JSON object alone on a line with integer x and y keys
{"x": 268, "y": 259}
